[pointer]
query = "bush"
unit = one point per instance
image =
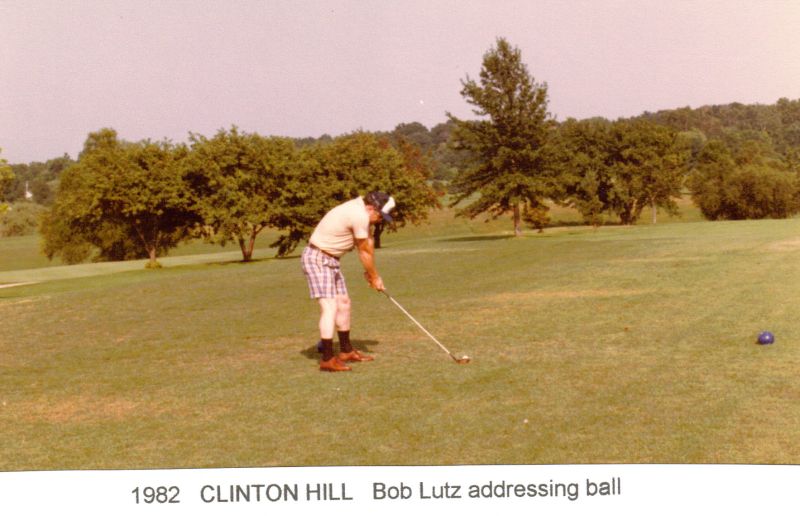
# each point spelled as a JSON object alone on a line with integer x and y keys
{"x": 21, "y": 218}
{"x": 760, "y": 193}
{"x": 751, "y": 192}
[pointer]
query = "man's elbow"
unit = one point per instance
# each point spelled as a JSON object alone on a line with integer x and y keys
{"x": 365, "y": 246}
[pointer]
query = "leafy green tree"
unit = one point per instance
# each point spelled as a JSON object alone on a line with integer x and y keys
{"x": 510, "y": 167}
{"x": 755, "y": 189}
{"x": 789, "y": 113}
{"x": 42, "y": 193}
{"x": 413, "y": 132}
{"x": 620, "y": 167}
{"x": 751, "y": 147}
{"x": 693, "y": 142}
{"x": 430, "y": 147}
{"x": 448, "y": 158}
{"x": 411, "y": 186}
{"x": 760, "y": 192}
{"x": 590, "y": 196}
{"x": 120, "y": 200}
{"x": 328, "y": 174}
{"x": 792, "y": 160}
{"x": 237, "y": 179}
{"x": 777, "y": 124}
{"x": 54, "y": 167}
{"x": 709, "y": 177}
{"x": 22, "y": 218}
{"x": 648, "y": 166}
{"x": 39, "y": 178}
{"x": 6, "y": 177}
{"x": 583, "y": 155}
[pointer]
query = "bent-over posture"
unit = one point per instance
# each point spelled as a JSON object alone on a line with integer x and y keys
{"x": 342, "y": 229}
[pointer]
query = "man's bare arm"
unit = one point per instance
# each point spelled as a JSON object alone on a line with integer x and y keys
{"x": 366, "y": 253}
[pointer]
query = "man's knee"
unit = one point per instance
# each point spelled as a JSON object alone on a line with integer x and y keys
{"x": 328, "y": 305}
{"x": 342, "y": 303}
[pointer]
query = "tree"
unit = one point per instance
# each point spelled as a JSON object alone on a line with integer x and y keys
{"x": 510, "y": 167}
{"x": 120, "y": 200}
{"x": 583, "y": 149}
{"x": 755, "y": 189}
{"x": 620, "y": 167}
{"x": 447, "y": 158}
{"x": 410, "y": 186}
{"x": 237, "y": 179}
{"x": 6, "y": 177}
{"x": 648, "y": 166}
{"x": 22, "y": 218}
{"x": 707, "y": 180}
{"x": 413, "y": 132}
{"x": 36, "y": 177}
{"x": 328, "y": 174}
{"x": 41, "y": 192}
{"x": 759, "y": 192}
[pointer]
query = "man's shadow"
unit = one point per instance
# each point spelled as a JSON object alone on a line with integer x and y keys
{"x": 364, "y": 346}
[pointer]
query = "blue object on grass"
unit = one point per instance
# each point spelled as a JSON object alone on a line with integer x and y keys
{"x": 766, "y": 337}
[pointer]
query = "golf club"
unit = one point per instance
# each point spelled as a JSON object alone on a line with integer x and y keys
{"x": 459, "y": 360}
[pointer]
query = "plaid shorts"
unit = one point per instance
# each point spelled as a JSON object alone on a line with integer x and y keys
{"x": 324, "y": 275}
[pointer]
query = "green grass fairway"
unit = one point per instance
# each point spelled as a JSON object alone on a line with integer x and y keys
{"x": 617, "y": 345}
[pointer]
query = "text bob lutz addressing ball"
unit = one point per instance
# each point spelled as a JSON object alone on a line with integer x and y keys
{"x": 502, "y": 489}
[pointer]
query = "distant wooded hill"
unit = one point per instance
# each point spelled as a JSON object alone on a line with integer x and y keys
{"x": 775, "y": 128}
{"x": 777, "y": 124}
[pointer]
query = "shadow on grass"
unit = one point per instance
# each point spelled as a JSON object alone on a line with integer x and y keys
{"x": 242, "y": 262}
{"x": 478, "y": 238}
{"x": 256, "y": 260}
{"x": 360, "y": 345}
{"x": 551, "y": 225}
{"x": 580, "y": 223}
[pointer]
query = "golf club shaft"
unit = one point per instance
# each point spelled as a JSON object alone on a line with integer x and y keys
{"x": 393, "y": 300}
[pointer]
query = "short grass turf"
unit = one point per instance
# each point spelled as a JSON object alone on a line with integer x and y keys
{"x": 616, "y": 345}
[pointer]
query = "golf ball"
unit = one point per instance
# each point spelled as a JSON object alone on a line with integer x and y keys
{"x": 766, "y": 337}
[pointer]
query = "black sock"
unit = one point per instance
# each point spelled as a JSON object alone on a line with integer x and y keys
{"x": 344, "y": 342}
{"x": 327, "y": 349}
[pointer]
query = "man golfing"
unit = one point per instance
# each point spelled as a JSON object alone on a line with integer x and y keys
{"x": 342, "y": 229}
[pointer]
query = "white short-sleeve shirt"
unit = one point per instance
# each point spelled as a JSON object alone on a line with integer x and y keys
{"x": 338, "y": 230}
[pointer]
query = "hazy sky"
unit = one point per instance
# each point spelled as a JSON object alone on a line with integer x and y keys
{"x": 164, "y": 68}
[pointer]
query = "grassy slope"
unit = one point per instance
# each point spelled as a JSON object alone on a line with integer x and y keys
{"x": 20, "y": 257}
{"x": 618, "y": 345}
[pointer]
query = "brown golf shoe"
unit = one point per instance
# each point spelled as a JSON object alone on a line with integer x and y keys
{"x": 334, "y": 365}
{"x": 355, "y": 356}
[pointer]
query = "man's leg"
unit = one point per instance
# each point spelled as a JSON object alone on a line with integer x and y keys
{"x": 327, "y": 317}
{"x": 343, "y": 323}
{"x": 327, "y": 325}
{"x": 321, "y": 273}
{"x": 346, "y": 351}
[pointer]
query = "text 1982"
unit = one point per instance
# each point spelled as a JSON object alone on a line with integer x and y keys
{"x": 162, "y": 494}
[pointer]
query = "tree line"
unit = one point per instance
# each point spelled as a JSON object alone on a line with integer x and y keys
{"x": 26, "y": 192}
{"x": 123, "y": 199}
{"x": 744, "y": 159}
{"x": 6, "y": 178}
{"x": 520, "y": 157}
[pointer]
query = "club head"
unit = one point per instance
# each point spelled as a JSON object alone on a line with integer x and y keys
{"x": 463, "y": 360}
